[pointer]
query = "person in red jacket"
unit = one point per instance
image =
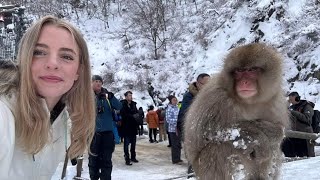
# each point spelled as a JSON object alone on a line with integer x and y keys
{"x": 152, "y": 121}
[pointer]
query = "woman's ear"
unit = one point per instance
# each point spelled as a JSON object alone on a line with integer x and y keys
{"x": 76, "y": 77}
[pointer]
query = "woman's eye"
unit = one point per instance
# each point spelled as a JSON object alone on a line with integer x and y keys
{"x": 38, "y": 52}
{"x": 67, "y": 57}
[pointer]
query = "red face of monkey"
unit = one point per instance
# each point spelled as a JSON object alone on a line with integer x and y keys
{"x": 246, "y": 81}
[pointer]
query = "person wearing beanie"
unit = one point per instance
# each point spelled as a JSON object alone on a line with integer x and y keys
{"x": 301, "y": 112}
{"x": 102, "y": 145}
{"x": 97, "y": 77}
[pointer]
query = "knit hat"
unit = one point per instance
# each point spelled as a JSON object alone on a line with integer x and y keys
{"x": 294, "y": 93}
{"x": 97, "y": 77}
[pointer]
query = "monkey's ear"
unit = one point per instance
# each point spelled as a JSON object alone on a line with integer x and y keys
{"x": 297, "y": 99}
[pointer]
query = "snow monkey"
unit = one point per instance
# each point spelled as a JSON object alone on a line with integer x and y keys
{"x": 234, "y": 127}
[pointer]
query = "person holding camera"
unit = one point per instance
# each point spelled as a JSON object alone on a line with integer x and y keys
{"x": 301, "y": 112}
{"x": 102, "y": 145}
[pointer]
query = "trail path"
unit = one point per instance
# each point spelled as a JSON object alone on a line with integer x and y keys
{"x": 154, "y": 163}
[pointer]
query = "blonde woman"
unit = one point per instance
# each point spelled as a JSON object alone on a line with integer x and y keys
{"x": 50, "y": 85}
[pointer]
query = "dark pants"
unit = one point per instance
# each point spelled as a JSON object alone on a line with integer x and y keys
{"x": 175, "y": 147}
{"x": 102, "y": 147}
{"x": 169, "y": 138}
{"x": 154, "y": 132}
{"x": 140, "y": 130}
{"x": 293, "y": 147}
{"x": 120, "y": 133}
{"x": 129, "y": 140}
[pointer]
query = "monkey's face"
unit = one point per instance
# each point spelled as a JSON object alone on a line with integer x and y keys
{"x": 252, "y": 73}
{"x": 246, "y": 81}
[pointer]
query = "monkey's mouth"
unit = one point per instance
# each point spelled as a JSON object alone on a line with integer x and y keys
{"x": 247, "y": 93}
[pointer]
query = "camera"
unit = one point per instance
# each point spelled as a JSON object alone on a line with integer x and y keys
{"x": 100, "y": 109}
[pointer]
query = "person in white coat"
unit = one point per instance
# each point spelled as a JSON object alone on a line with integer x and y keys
{"x": 49, "y": 86}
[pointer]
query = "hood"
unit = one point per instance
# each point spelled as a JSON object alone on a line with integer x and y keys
{"x": 9, "y": 77}
{"x": 193, "y": 89}
{"x": 152, "y": 112}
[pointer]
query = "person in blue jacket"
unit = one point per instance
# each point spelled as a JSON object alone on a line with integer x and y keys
{"x": 102, "y": 145}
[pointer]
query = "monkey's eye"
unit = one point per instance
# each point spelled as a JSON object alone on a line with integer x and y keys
{"x": 240, "y": 70}
{"x": 254, "y": 69}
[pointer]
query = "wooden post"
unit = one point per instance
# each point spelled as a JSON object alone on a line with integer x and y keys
{"x": 64, "y": 169}
{"x": 79, "y": 166}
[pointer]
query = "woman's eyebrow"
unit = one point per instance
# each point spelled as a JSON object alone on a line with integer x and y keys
{"x": 68, "y": 50}
{"x": 61, "y": 49}
{"x": 41, "y": 45}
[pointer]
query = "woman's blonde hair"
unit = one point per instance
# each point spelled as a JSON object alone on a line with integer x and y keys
{"x": 32, "y": 120}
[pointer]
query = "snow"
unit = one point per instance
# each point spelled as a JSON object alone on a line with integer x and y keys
{"x": 10, "y": 26}
{"x": 155, "y": 163}
{"x": 295, "y": 7}
{"x": 188, "y": 55}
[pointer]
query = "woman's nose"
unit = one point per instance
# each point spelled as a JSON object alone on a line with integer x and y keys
{"x": 52, "y": 62}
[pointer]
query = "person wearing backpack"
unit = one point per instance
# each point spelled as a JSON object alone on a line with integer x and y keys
{"x": 103, "y": 144}
{"x": 301, "y": 112}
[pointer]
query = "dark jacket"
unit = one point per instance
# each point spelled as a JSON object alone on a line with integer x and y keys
{"x": 141, "y": 117}
{"x": 161, "y": 115}
{"x": 186, "y": 102}
{"x": 129, "y": 124}
{"x": 301, "y": 116}
{"x": 104, "y": 118}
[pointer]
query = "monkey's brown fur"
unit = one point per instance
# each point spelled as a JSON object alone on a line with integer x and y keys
{"x": 217, "y": 111}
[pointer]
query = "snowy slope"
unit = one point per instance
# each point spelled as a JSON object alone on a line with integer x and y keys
{"x": 206, "y": 33}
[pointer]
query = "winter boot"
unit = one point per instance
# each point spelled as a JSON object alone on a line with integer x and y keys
{"x": 190, "y": 170}
{"x": 134, "y": 160}
{"x": 128, "y": 162}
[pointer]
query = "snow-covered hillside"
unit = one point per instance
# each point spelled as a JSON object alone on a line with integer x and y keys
{"x": 168, "y": 43}
{"x": 205, "y": 31}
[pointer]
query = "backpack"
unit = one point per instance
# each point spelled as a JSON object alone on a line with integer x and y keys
{"x": 316, "y": 121}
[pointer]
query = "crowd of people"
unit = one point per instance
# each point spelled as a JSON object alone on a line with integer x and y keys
{"x": 47, "y": 111}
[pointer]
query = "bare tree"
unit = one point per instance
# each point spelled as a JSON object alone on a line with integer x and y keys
{"x": 104, "y": 6}
{"x": 148, "y": 17}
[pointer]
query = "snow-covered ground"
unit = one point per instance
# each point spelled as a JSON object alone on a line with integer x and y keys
{"x": 155, "y": 163}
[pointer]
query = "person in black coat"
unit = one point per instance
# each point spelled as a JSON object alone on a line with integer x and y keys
{"x": 301, "y": 112}
{"x": 193, "y": 90}
{"x": 140, "y": 123}
{"x": 129, "y": 127}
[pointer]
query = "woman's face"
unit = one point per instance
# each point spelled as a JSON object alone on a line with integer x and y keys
{"x": 55, "y": 63}
{"x": 174, "y": 101}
